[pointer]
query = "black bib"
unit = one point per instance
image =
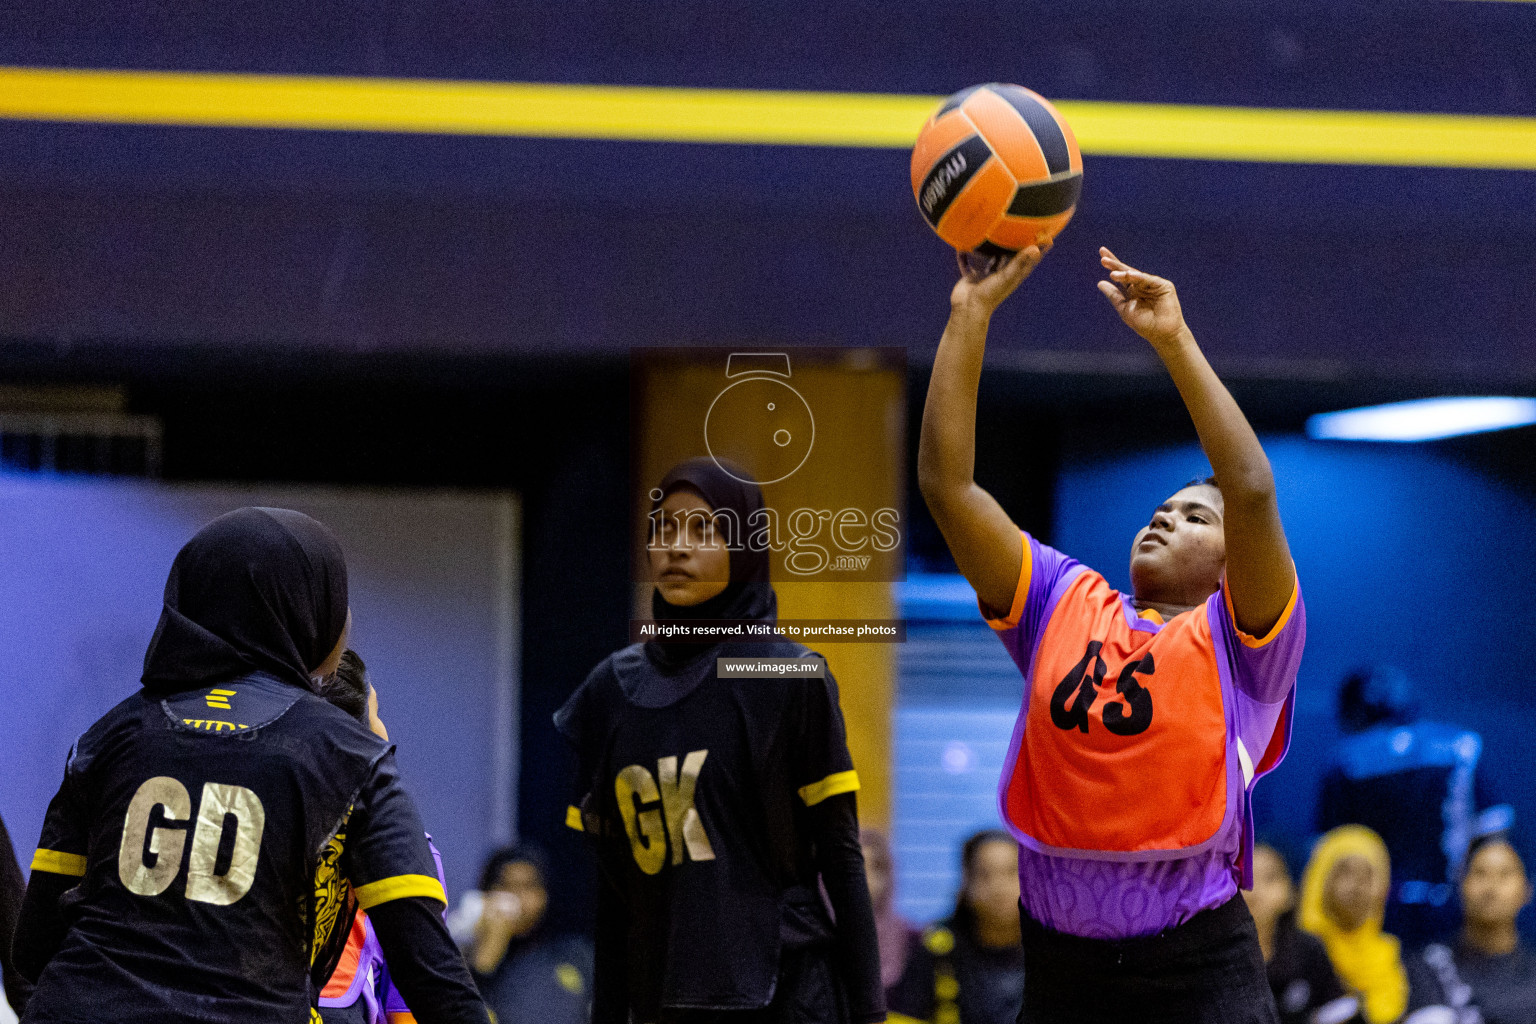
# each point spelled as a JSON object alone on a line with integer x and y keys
{"x": 217, "y": 816}
{"x": 695, "y": 809}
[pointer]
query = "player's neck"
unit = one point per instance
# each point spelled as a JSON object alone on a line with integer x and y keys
{"x": 1166, "y": 609}
{"x": 1492, "y": 939}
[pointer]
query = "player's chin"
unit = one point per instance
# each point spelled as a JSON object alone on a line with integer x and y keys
{"x": 1152, "y": 560}
{"x": 1153, "y": 569}
{"x": 685, "y": 592}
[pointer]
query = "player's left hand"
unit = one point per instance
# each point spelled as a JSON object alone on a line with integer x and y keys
{"x": 1149, "y": 305}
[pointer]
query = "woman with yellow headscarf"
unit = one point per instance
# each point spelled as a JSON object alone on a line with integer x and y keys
{"x": 1343, "y": 898}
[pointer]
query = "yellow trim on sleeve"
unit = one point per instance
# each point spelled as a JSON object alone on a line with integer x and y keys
{"x": 573, "y": 819}
{"x": 892, "y": 1017}
{"x": 1020, "y": 591}
{"x": 58, "y": 863}
{"x": 832, "y": 785}
{"x": 1285, "y": 616}
{"x": 399, "y": 887}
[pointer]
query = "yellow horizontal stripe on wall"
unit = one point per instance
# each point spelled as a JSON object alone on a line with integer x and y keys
{"x": 468, "y": 108}
{"x": 743, "y": 116}
{"x": 1304, "y": 136}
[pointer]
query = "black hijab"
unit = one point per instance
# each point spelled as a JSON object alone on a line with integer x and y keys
{"x": 749, "y": 594}
{"x": 660, "y": 673}
{"x": 258, "y": 589}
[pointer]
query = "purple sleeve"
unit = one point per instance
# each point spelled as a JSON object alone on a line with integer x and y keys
{"x": 1264, "y": 668}
{"x": 1042, "y": 576}
{"x": 394, "y": 1002}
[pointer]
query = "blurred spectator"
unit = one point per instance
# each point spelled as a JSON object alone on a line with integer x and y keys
{"x": 1343, "y": 897}
{"x": 525, "y": 974}
{"x": 1395, "y": 773}
{"x": 978, "y": 955}
{"x": 906, "y": 966}
{"x": 1307, "y": 991}
{"x": 1489, "y": 975}
{"x": 12, "y": 888}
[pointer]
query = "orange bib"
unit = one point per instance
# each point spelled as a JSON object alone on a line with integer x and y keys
{"x": 1122, "y": 751}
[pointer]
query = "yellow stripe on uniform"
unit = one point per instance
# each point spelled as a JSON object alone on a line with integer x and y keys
{"x": 399, "y": 887}
{"x": 573, "y": 819}
{"x": 746, "y": 116}
{"x": 832, "y": 785}
{"x": 58, "y": 863}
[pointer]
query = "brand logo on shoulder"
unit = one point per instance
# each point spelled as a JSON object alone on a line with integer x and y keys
{"x": 214, "y": 725}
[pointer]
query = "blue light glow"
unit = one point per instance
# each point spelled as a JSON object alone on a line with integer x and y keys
{"x": 1426, "y": 419}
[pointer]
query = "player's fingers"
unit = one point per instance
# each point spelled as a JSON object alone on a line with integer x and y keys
{"x": 1111, "y": 261}
{"x": 1148, "y": 284}
{"x": 1114, "y": 295}
{"x": 1014, "y": 269}
{"x": 1026, "y": 260}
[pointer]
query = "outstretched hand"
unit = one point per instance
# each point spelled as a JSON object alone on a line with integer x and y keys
{"x": 1149, "y": 305}
{"x": 985, "y": 294}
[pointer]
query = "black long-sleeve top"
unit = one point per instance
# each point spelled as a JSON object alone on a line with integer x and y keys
{"x": 719, "y": 816}
{"x": 131, "y": 904}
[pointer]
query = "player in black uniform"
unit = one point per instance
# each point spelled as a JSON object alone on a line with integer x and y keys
{"x": 718, "y": 805}
{"x": 194, "y": 857}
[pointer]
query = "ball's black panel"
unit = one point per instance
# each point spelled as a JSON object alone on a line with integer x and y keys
{"x": 949, "y": 175}
{"x": 957, "y": 99}
{"x": 1053, "y": 142}
{"x": 1047, "y": 198}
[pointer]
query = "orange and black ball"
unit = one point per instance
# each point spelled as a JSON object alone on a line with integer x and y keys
{"x": 996, "y": 169}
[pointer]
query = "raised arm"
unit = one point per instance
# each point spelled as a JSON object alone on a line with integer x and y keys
{"x": 1260, "y": 575}
{"x": 984, "y": 541}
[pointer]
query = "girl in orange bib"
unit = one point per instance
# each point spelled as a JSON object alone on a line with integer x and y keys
{"x": 1147, "y": 717}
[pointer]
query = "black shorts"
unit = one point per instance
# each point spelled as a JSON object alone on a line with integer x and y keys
{"x": 1208, "y": 970}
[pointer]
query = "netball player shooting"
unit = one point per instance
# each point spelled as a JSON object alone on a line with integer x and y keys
{"x": 1147, "y": 717}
